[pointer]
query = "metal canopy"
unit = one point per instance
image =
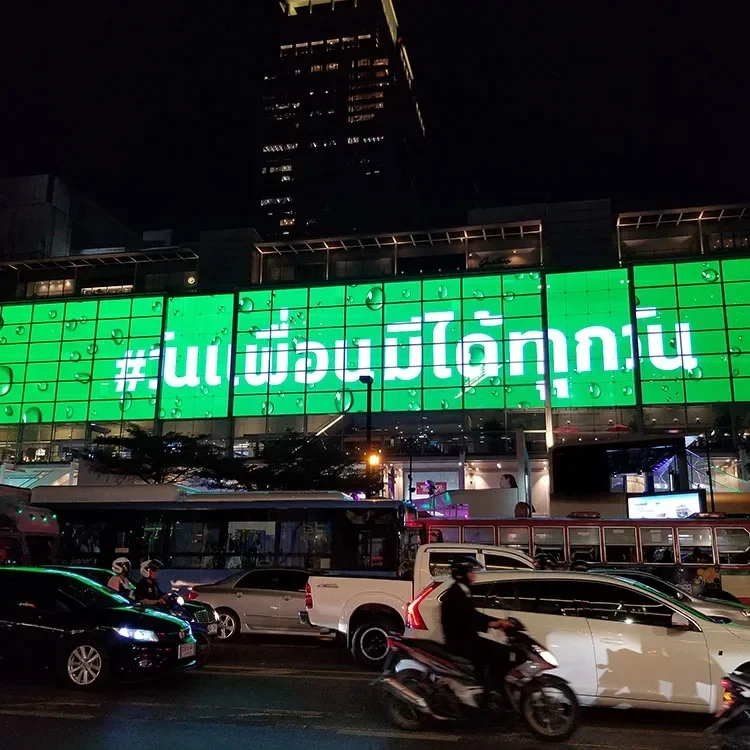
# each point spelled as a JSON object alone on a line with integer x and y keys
{"x": 638, "y": 219}
{"x": 71, "y": 262}
{"x": 400, "y": 239}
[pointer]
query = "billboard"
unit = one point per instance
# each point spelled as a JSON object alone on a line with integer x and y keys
{"x": 477, "y": 343}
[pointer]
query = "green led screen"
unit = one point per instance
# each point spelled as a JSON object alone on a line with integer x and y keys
{"x": 476, "y": 342}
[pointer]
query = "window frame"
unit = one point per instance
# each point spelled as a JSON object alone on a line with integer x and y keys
{"x": 641, "y": 529}
{"x": 526, "y": 550}
{"x": 569, "y": 550}
{"x": 537, "y": 529}
{"x": 635, "y": 544}
{"x": 710, "y": 530}
{"x": 467, "y": 527}
{"x": 716, "y": 530}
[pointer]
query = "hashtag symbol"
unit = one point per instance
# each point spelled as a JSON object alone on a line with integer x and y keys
{"x": 131, "y": 370}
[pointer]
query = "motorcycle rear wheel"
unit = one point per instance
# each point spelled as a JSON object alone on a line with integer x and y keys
{"x": 401, "y": 713}
{"x": 550, "y": 709}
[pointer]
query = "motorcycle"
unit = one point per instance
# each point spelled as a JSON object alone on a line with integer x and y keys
{"x": 733, "y": 719}
{"x": 423, "y": 681}
{"x": 176, "y": 606}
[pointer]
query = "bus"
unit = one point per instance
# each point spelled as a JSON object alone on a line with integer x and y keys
{"x": 28, "y": 536}
{"x": 203, "y": 537}
{"x": 701, "y": 552}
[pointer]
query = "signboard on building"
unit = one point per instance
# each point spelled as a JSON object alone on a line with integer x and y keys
{"x": 476, "y": 342}
{"x": 423, "y": 488}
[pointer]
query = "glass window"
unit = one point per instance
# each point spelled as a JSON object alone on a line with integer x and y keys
{"x": 696, "y": 547}
{"x": 250, "y": 543}
{"x": 497, "y": 595}
{"x": 444, "y": 534}
{"x": 619, "y": 604}
{"x": 494, "y": 561}
{"x": 584, "y": 543}
{"x": 620, "y": 545}
{"x": 273, "y": 580}
{"x": 441, "y": 562}
{"x": 734, "y": 546}
{"x": 555, "y": 597}
{"x": 657, "y": 545}
{"x": 549, "y": 539}
{"x": 257, "y": 579}
{"x": 305, "y": 544}
{"x": 514, "y": 537}
{"x": 479, "y": 534}
{"x": 195, "y": 544}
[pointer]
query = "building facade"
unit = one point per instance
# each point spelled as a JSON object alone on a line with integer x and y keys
{"x": 342, "y": 128}
{"x": 479, "y": 340}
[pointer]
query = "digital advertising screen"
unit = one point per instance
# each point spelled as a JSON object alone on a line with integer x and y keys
{"x": 677, "y": 505}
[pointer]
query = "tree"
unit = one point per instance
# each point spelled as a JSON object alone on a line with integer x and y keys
{"x": 156, "y": 459}
{"x": 296, "y": 463}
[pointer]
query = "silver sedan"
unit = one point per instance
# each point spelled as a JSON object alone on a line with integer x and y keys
{"x": 266, "y": 600}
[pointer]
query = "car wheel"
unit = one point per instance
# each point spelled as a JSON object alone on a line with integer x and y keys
{"x": 84, "y": 665}
{"x": 370, "y": 643}
{"x": 229, "y": 625}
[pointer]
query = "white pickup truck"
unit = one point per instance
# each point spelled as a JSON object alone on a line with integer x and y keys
{"x": 365, "y": 608}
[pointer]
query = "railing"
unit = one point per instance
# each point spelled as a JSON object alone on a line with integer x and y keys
{"x": 722, "y": 481}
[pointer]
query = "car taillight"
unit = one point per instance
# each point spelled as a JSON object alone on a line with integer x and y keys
{"x": 414, "y": 619}
{"x": 192, "y": 596}
{"x": 308, "y": 596}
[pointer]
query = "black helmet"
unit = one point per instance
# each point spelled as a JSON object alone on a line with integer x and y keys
{"x": 544, "y": 561}
{"x": 461, "y": 568}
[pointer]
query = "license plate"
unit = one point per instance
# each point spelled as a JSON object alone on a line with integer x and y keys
{"x": 212, "y": 628}
{"x": 186, "y": 650}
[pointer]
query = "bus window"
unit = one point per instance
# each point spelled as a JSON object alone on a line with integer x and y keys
{"x": 479, "y": 534}
{"x": 250, "y": 544}
{"x": 585, "y": 543}
{"x": 194, "y": 544}
{"x": 549, "y": 539}
{"x": 734, "y": 546}
{"x": 658, "y": 545}
{"x": 695, "y": 546}
{"x": 514, "y": 536}
{"x": 620, "y": 545}
{"x": 444, "y": 534}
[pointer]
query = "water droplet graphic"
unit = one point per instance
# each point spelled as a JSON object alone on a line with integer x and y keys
{"x": 375, "y": 298}
{"x": 696, "y": 373}
{"x": 735, "y": 351}
{"x": 627, "y": 390}
{"x": 83, "y": 377}
{"x": 442, "y": 292}
{"x": 154, "y": 348}
{"x": 118, "y": 336}
{"x": 224, "y": 331}
{"x": 152, "y": 401}
{"x": 495, "y": 393}
{"x": 216, "y": 340}
{"x": 6, "y": 380}
{"x": 83, "y": 320}
{"x": 509, "y": 296}
{"x": 204, "y": 389}
{"x": 406, "y": 293}
{"x": 8, "y": 411}
{"x": 625, "y": 369}
{"x": 69, "y": 412}
{"x": 496, "y": 380}
{"x": 319, "y": 303}
{"x": 595, "y": 390}
{"x": 32, "y": 415}
{"x": 343, "y": 400}
{"x": 20, "y": 330}
{"x": 281, "y": 394}
{"x": 478, "y": 294}
{"x": 444, "y": 404}
{"x": 355, "y": 341}
{"x": 637, "y": 301}
{"x": 254, "y": 331}
{"x": 520, "y": 276}
{"x": 75, "y": 356}
{"x": 246, "y": 305}
{"x": 3, "y": 340}
{"x": 413, "y": 406}
{"x": 268, "y": 303}
{"x": 126, "y": 402}
{"x": 208, "y": 414}
{"x": 156, "y": 306}
{"x": 735, "y": 371}
{"x": 554, "y": 391}
{"x": 222, "y": 309}
{"x": 403, "y": 347}
{"x": 508, "y": 389}
{"x": 665, "y": 388}
{"x": 92, "y": 348}
{"x": 51, "y": 314}
{"x": 299, "y": 403}
{"x": 524, "y": 405}
{"x": 472, "y": 391}
{"x": 2, "y": 322}
{"x": 176, "y": 413}
{"x": 413, "y": 392}
{"x": 297, "y": 340}
{"x": 350, "y": 299}
{"x": 672, "y": 343}
{"x": 535, "y": 275}
{"x": 42, "y": 387}
{"x": 267, "y": 408}
{"x": 669, "y": 399}
{"x": 710, "y": 275}
{"x": 162, "y": 413}
{"x": 71, "y": 325}
{"x": 301, "y": 315}
{"x": 476, "y": 355}
{"x": 178, "y": 402}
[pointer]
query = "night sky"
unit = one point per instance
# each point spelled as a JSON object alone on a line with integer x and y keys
{"x": 152, "y": 107}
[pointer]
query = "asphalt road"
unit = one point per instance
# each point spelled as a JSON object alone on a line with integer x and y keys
{"x": 279, "y": 695}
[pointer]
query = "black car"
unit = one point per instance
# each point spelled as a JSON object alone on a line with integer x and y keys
{"x": 83, "y": 632}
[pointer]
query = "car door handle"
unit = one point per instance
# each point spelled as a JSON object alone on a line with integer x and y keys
{"x": 613, "y": 641}
{"x": 239, "y": 595}
{"x": 287, "y": 598}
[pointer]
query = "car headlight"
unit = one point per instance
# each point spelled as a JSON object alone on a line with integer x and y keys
{"x": 137, "y": 635}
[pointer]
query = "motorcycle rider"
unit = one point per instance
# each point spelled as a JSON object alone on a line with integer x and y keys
{"x": 120, "y": 581}
{"x": 462, "y": 624}
{"x": 147, "y": 589}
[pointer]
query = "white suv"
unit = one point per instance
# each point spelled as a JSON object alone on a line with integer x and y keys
{"x": 618, "y": 643}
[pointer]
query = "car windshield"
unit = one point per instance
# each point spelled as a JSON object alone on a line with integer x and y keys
{"x": 663, "y": 587}
{"x": 86, "y": 594}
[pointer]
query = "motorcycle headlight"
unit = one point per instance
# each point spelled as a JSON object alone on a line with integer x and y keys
{"x": 137, "y": 635}
{"x": 180, "y": 601}
{"x": 216, "y": 616}
{"x": 548, "y": 656}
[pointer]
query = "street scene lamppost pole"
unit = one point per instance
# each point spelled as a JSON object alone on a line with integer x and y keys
{"x": 373, "y": 457}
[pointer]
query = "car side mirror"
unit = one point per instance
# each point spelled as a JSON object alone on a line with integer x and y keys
{"x": 680, "y": 622}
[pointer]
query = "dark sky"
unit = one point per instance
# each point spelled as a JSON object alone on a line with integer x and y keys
{"x": 151, "y": 106}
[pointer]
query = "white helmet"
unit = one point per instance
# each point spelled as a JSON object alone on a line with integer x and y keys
{"x": 121, "y": 565}
{"x": 147, "y": 565}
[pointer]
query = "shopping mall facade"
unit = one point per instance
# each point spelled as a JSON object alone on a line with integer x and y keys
{"x": 486, "y": 345}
